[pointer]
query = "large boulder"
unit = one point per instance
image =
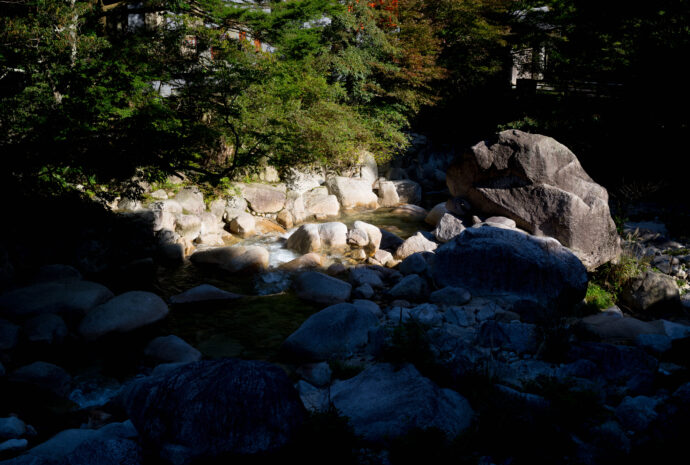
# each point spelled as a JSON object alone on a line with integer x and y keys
{"x": 68, "y": 297}
{"x": 494, "y": 261}
{"x": 215, "y": 409}
{"x": 352, "y": 192}
{"x": 321, "y": 288}
{"x": 384, "y": 403}
{"x": 123, "y": 313}
{"x": 263, "y": 198}
{"x": 539, "y": 183}
{"x": 234, "y": 259}
{"x": 334, "y": 332}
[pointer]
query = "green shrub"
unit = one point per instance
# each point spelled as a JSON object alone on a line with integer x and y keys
{"x": 599, "y": 297}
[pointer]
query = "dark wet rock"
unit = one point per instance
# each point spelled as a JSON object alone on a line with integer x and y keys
{"x": 334, "y": 332}
{"x": 177, "y": 414}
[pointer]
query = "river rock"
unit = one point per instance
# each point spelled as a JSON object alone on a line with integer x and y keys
{"x": 9, "y": 334}
{"x": 285, "y": 219}
{"x": 47, "y": 328}
{"x": 414, "y": 244}
{"x": 408, "y": 191}
{"x": 414, "y": 264}
{"x": 263, "y": 198}
{"x": 501, "y": 222}
{"x": 352, "y": 192}
{"x": 360, "y": 275}
{"x": 540, "y": 184}
{"x": 234, "y": 206}
{"x": 493, "y": 261}
{"x": 435, "y": 214}
{"x": 203, "y": 293}
{"x": 192, "y": 200}
{"x": 413, "y": 212}
{"x": 389, "y": 240}
{"x": 382, "y": 402}
{"x": 357, "y": 238}
{"x": 310, "y": 260}
{"x": 614, "y": 327}
{"x": 333, "y": 235}
{"x": 123, "y": 313}
{"x": 171, "y": 349}
{"x": 106, "y": 451}
{"x": 305, "y": 239}
{"x": 651, "y": 290}
{"x": 11, "y": 428}
{"x": 243, "y": 225}
{"x": 58, "y": 450}
{"x": 234, "y": 259}
{"x": 412, "y": 287}
{"x": 388, "y": 194}
{"x": 45, "y": 376}
{"x": 384, "y": 258}
{"x": 302, "y": 180}
{"x": 334, "y": 332}
{"x": 177, "y": 413}
{"x": 188, "y": 226}
{"x": 448, "y": 227}
{"x": 321, "y": 288}
{"x": 636, "y": 413}
{"x": 318, "y": 374}
{"x": 65, "y": 297}
{"x": 450, "y": 295}
{"x": 165, "y": 214}
{"x": 320, "y": 204}
{"x": 373, "y": 235}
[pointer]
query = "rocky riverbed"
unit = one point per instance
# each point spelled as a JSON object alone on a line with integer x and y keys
{"x": 334, "y": 319}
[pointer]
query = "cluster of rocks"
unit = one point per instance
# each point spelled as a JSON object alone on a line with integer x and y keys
{"x": 183, "y": 220}
{"x": 490, "y": 290}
